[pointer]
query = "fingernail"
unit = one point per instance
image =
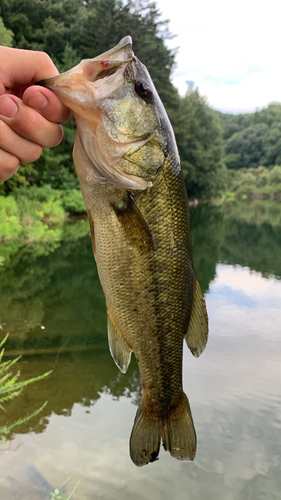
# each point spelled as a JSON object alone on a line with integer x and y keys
{"x": 8, "y": 107}
{"x": 37, "y": 100}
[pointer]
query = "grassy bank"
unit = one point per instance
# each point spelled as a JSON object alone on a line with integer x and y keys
{"x": 35, "y": 217}
{"x": 28, "y": 212}
{"x": 253, "y": 184}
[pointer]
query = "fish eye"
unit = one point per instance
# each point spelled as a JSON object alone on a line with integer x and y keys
{"x": 143, "y": 90}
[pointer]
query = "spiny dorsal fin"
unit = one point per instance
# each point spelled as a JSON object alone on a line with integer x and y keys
{"x": 197, "y": 333}
{"x": 133, "y": 224}
{"x": 120, "y": 351}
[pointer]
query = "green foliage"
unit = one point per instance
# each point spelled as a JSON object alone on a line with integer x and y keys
{"x": 255, "y": 183}
{"x": 271, "y": 146}
{"x": 269, "y": 115}
{"x": 9, "y": 218}
{"x": 233, "y": 160}
{"x": 20, "y": 178}
{"x": 11, "y": 387}
{"x": 232, "y": 124}
{"x": 72, "y": 201}
{"x": 236, "y": 123}
{"x": 6, "y": 35}
{"x": 58, "y": 493}
{"x": 72, "y": 29}
{"x": 39, "y": 231}
{"x": 69, "y": 59}
{"x": 54, "y": 168}
{"x": 248, "y": 144}
{"x": 274, "y": 175}
{"x": 200, "y": 146}
{"x": 26, "y": 216}
{"x": 38, "y": 203}
{"x": 252, "y": 139}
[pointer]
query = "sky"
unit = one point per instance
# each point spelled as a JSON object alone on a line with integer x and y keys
{"x": 230, "y": 50}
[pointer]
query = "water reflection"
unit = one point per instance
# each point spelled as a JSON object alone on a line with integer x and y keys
{"x": 248, "y": 234}
{"x": 234, "y": 388}
{"x": 77, "y": 377}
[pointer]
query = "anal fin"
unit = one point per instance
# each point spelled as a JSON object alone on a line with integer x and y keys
{"x": 119, "y": 349}
{"x": 197, "y": 333}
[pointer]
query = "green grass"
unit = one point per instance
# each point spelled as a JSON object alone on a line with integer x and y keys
{"x": 58, "y": 493}
{"x": 11, "y": 387}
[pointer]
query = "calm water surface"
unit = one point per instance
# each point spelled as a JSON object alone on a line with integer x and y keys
{"x": 234, "y": 388}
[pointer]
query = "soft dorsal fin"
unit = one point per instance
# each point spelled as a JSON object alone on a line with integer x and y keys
{"x": 197, "y": 333}
{"x": 120, "y": 350}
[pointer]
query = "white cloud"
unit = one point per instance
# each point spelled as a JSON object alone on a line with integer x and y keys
{"x": 227, "y": 42}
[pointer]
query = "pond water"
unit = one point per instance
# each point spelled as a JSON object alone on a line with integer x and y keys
{"x": 53, "y": 307}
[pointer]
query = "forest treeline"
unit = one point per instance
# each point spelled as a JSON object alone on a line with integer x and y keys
{"x": 71, "y": 30}
{"x": 215, "y": 148}
{"x": 253, "y": 139}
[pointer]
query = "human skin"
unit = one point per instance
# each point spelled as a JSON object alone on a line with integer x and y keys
{"x": 30, "y": 116}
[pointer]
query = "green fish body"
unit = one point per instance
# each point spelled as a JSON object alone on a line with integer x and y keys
{"x": 129, "y": 170}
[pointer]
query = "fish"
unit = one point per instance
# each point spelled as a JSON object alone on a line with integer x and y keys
{"x": 132, "y": 183}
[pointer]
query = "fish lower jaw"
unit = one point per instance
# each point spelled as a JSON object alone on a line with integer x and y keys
{"x": 101, "y": 173}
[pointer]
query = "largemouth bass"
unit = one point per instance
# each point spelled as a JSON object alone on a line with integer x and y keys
{"x": 129, "y": 170}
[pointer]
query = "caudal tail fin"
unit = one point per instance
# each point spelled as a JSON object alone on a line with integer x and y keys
{"x": 176, "y": 431}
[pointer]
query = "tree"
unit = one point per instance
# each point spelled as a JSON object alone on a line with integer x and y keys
{"x": 231, "y": 124}
{"x": 6, "y": 35}
{"x": 71, "y": 30}
{"x": 252, "y": 139}
{"x": 199, "y": 141}
{"x": 271, "y": 145}
{"x": 249, "y": 145}
{"x": 41, "y": 24}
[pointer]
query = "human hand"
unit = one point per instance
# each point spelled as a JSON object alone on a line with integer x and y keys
{"x": 30, "y": 116}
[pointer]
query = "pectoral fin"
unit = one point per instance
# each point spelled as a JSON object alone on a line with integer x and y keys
{"x": 133, "y": 224}
{"x": 197, "y": 333}
{"x": 120, "y": 351}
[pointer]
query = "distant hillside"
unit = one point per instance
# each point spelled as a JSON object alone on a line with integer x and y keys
{"x": 252, "y": 139}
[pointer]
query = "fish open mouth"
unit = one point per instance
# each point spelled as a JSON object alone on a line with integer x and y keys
{"x": 93, "y": 72}
{"x": 94, "y": 69}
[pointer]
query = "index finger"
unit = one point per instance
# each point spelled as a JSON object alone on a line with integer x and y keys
{"x": 20, "y": 68}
